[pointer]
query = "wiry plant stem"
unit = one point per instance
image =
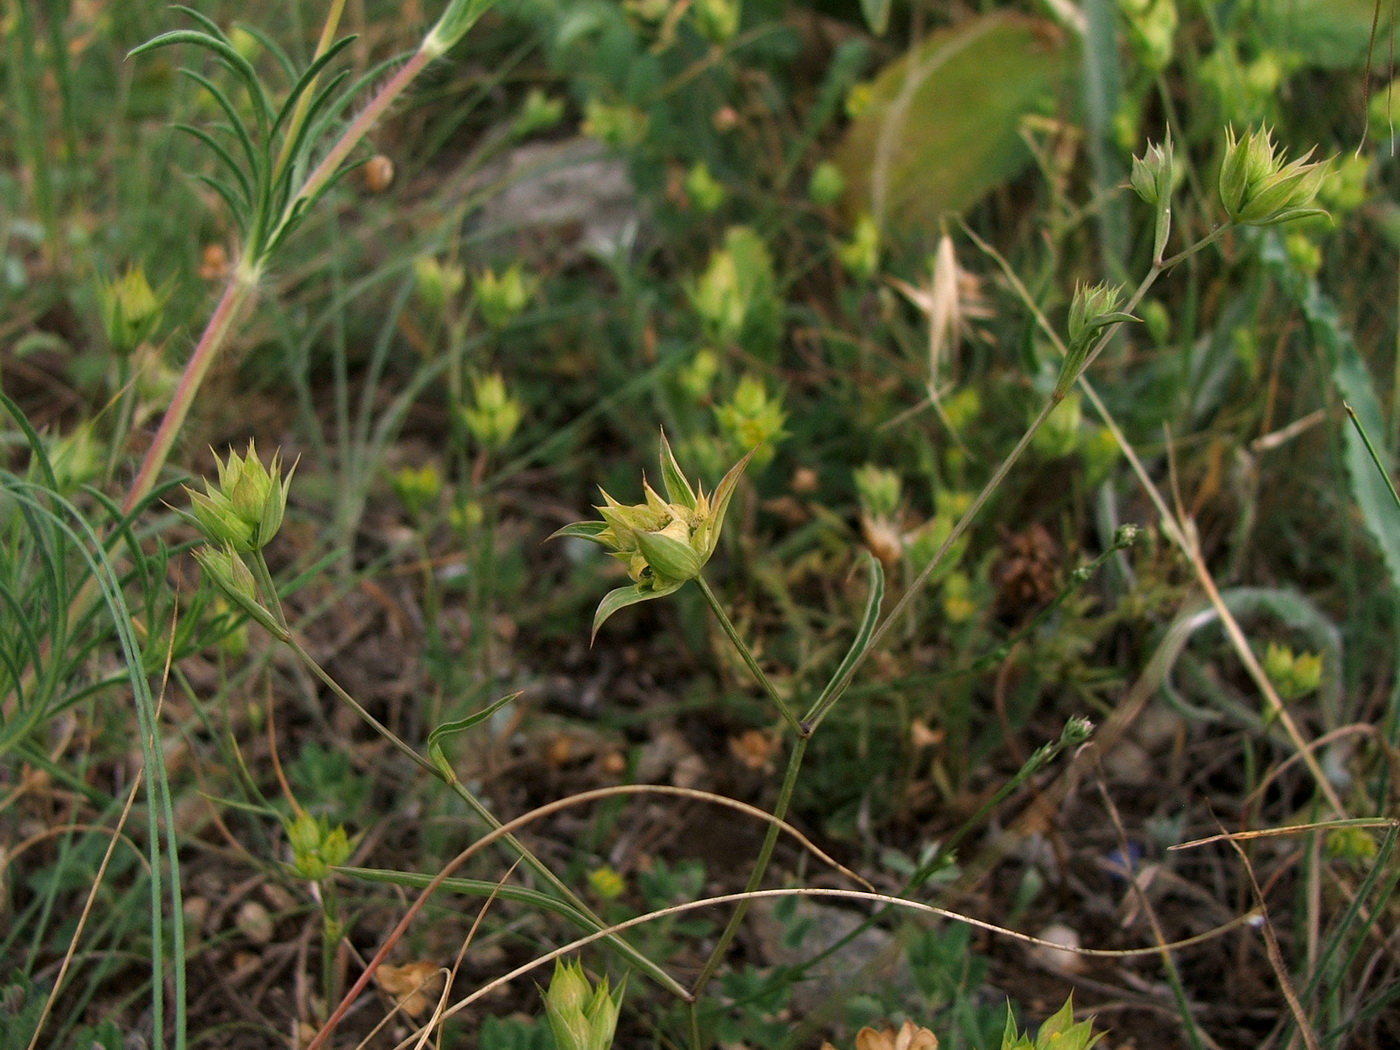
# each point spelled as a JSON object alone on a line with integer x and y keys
{"x": 760, "y": 868}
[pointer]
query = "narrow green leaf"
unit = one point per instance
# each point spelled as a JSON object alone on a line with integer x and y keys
{"x": 217, "y": 148}
{"x": 866, "y": 631}
{"x": 236, "y": 206}
{"x": 622, "y": 598}
{"x": 582, "y": 530}
{"x": 673, "y": 479}
{"x": 251, "y": 153}
{"x": 475, "y": 888}
{"x": 272, "y": 47}
{"x": 307, "y": 79}
{"x": 226, "y": 54}
{"x": 461, "y": 725}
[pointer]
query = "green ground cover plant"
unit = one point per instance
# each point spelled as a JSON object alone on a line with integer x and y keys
{"x": 1002, "y": 655}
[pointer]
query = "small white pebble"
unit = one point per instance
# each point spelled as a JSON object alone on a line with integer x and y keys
{"x": 1062, "y": 959}
{"x": 255, "y": 922}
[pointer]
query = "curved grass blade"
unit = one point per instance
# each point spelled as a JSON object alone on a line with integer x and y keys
{"x": 273, "y": 48}
{"x": 227, "y": 56}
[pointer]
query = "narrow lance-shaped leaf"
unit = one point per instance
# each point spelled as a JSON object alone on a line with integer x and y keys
{"x": 622, "y": 598}
{"x": 722, "y": 496}
{"x": 461, "y": 725}
{"x": 864, "y": 634}
{"x": 677, "y": 488}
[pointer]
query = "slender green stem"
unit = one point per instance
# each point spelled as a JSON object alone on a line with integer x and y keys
{"x": 271, "y": 599}
{"x": 331, "y": 931}
{"x": 749, "y": 660}
{"x": 379, "y": 727}
{"x": 765, "y": 854}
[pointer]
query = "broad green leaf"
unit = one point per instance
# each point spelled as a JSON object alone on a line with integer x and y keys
{"x": 1332, "y": 34}
{"x": 1352, "y": 379}
{"x": 942, "y": 125}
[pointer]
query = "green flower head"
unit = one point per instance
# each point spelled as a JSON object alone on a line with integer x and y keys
{"x": 581, "y": 1016}
{"x": 664, "y": 542}
{"x": 244, "y": 510}
{"x": 1259, "y": 187}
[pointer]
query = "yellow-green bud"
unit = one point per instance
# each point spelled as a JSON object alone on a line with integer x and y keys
{"x": 860, "y": 256}
{"x": 316, "y": 846}
{"x": 607, "y": 883}
{"x": 495, "y": 415}
{"x": 1355, "y": 846}
{"x": 614, "y": 125}
{"x": 1294, "y": 676}
{"x": 437, "y": 283}
{"x": 753, "y": 420}
{"x": 581, "y": 1016}
{"x": 244, "y": 510}
{"x": 716, "y": 20}
{"x": 879, "y": 490}
{"x": 1152, "y": 172}
{"x": 663, "y": 542}
{"x": 538, "y": 112}
{"x": 1258, "y": 188}
{"x": 417, "y": 488}
{"x": 131, "y": 310}
{"x": 1093, "y": 308}
{"x": 826, "y": 184}
{"x": 696, "y": 377}
{"x": 704, "y": 190}
{"x": 503, "y": 298}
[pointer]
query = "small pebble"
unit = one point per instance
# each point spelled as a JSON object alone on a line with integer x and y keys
{"x": 1062, "y": 959}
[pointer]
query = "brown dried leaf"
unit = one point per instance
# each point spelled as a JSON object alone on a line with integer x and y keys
{"x": 414, "y": 986}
